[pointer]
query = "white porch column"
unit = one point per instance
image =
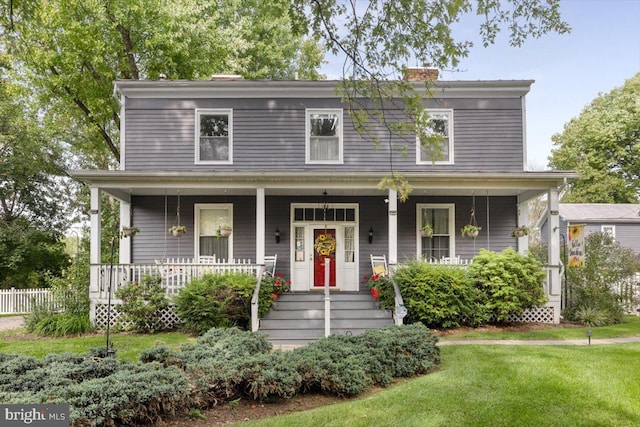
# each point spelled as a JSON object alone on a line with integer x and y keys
{"x": 125, "y": 221}
{"x": 554, "y": 253}
{"x": 260, "y": 225}
{"x": 393, "y": 226}
{"x": 94, "y": 249}
{"x": 523, "y": 221}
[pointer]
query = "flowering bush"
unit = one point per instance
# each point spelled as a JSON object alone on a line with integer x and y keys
{"x": 381, "y": 288}
{"x": 277, "y": 282}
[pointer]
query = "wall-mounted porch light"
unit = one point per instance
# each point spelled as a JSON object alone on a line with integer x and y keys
{"x": 370, "y": 235}
{"x": 277, "y": 234}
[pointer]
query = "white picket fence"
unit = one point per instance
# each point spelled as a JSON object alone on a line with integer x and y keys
{"x": 22, "y": 301}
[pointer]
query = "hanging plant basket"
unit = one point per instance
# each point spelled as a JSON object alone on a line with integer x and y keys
{"x": 178, "y": 230}
{"x": 129, "y": 231}
{"x": 225, "y": 231}
{"x": 470, "y": 230}
{"x": 426, "y": 231}
{"x": 520, "y": 232}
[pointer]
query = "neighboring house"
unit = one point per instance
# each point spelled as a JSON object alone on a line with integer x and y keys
{"x": 281, "y": 163}
{"x": 622, "y": 221}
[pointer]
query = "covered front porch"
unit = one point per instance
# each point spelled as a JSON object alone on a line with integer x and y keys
{"x": 283, "y": 214}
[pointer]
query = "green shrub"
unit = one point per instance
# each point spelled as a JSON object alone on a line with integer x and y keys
{"x": 219, "y": 300}
{"x": 134, "y": 395}
{"x": 333, "y": 365}
{"x": 142, "y": 302}
{"x": 403, "y": 351}
{"x": 591, "y": 287}
{"x": 509, "y": 282}
{"x": 69, "y": 312}
{"x": 436, "y": 295}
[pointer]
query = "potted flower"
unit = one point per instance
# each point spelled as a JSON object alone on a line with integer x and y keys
{"x": 375, "y": 283}
{"x": 470, "y": 230}
{"x": 278, "y": 284}
{"x": 520, "y": 231}
{"x": 224, "y": 230}
{"x": 426, "y": 231}
{"x": 129, "y": 231}
{"x": 178, "y": 230}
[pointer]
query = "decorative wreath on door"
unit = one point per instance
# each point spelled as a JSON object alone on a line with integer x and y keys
{"x": 325, "y": 244}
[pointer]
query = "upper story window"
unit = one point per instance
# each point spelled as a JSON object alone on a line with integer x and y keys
{"x": 324, "y": 136}
{"x": 214, "y": 140}
{"x": 434, "y": 141}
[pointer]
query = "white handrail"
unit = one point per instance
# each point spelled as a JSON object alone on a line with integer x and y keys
{"x": 255, "y": 302}
{"x": 400, "y": 311}
{"x": 327, "y": 297}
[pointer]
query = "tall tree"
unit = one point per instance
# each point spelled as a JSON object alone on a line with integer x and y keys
{"x": 379, "y": 38}
{"x": 603, "y": 145}
{"x": 72, "y": 51}
{"x": 33, "y": 192}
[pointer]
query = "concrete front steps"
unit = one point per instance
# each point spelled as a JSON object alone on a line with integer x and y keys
{"x": 298, "y": 318}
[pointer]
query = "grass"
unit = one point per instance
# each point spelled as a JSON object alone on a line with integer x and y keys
{"x": 128, "y": 346}
{"x": 629, "y": 328}
{"x": 501, "y": 386}
{"x": 479, "y": 385}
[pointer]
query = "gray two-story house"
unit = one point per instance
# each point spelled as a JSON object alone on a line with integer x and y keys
{"x": 281, "y": 164}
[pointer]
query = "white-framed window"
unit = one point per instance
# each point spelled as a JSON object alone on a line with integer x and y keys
{"x": 437, "y": 126}
{"x": 209, "y": 217}
{"x": 323, "y": 136}
{"x": 441, "y": 218}
{"x": 214, "y": 136}
{"x": 609, "y": 229}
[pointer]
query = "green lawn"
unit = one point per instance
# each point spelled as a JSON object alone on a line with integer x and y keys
{"x": 479, "y": 385}
{"x": 128, "y": 346}
{"x": 629, "y": 328}
{"x": 501, "y": 386}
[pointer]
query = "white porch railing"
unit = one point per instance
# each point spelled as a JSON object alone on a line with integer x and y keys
{"x": 175, "y": 274}
{"x": 22, "y": 301}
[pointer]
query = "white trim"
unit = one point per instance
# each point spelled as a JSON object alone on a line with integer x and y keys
{"x": 342, "y": 282}
{"x": 123, "y": 133}
{"x": 393, "y": 226}
{"x": 452, "y": 225}
{"x": 307, "y": 135}
{"x": 125, "y": 242}
{"x": 450, "y": 161}
{"x": 260, "y": 225}
{"x": 197, "y": 207}
{"x": 307, "y": 89}
{"x": 524, "y": 134}
{"x": 210, "y": 111}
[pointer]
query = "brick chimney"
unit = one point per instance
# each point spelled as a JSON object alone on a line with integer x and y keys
{"x": 420, "y": 74}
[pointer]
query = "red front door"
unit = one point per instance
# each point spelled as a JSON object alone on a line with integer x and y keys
{"x": 324, "y": 246}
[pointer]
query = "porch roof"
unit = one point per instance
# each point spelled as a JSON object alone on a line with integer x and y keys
{"x": 123, "y": 184}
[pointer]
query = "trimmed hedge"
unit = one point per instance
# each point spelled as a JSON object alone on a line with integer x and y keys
{"x": 494, "y": 287}
{"x": 222, "y": 365}
{"x": 437, "y": 296}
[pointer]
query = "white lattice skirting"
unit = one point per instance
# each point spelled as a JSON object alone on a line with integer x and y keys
{"x": 168, "y": 317}
{"x": 535, "y": 315}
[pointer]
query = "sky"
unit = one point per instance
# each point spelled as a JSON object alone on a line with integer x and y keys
{"x": 600, "y": 53}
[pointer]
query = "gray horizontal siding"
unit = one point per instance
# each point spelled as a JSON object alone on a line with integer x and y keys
{"x": 154, "y": 243}
{"x": 270, "y": 135}
{"x": 627, "y": 234}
